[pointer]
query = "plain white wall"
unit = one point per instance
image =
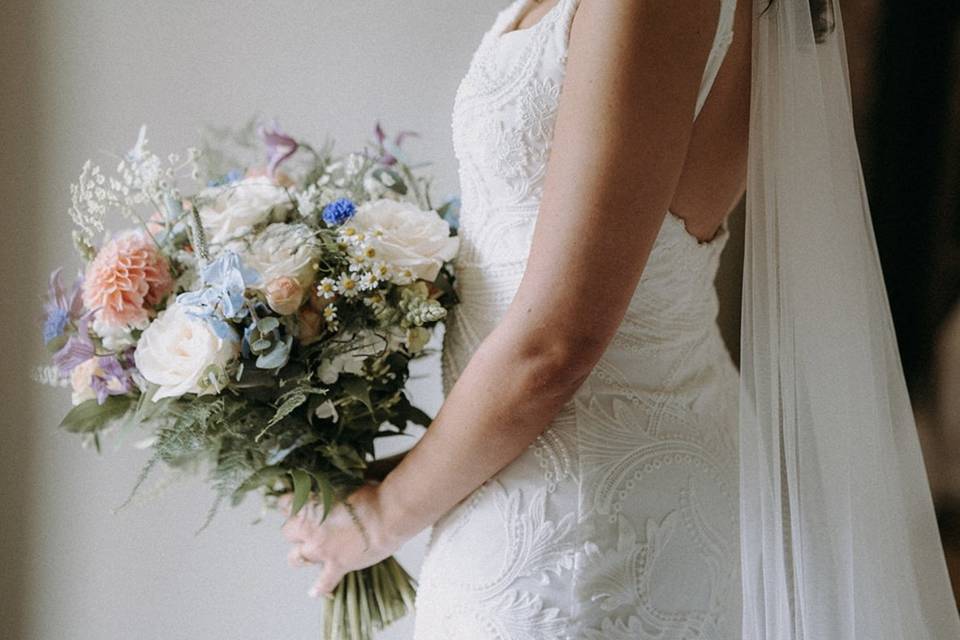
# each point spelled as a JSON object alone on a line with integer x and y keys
{"x": 78, "y": 80}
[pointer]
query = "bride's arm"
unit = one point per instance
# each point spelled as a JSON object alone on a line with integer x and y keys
{"x": 623, "y": 127}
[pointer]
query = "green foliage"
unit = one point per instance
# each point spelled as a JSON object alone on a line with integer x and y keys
{"x": 90, "y": 417}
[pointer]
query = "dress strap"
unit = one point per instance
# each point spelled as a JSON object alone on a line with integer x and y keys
{"x": 721, "y": 42}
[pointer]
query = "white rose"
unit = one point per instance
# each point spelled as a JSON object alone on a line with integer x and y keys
{"x": 415, "y": 243}
{"x": 176, "y": 351}
{"x": 283, "y": 251}
{"x": 238, "y": 207}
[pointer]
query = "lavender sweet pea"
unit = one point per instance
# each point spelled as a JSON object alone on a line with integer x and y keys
{"x": 279, "y": 147}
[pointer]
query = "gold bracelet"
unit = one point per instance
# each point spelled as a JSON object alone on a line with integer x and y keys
{"x": 356, "y": 521}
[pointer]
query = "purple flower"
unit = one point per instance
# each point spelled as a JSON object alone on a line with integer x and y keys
{"x": 280, "y": 146}
{"x": 61, "y": 306}
{"x": 104, "y": 376}
{"x": 113, "y": 376}
{"x": 390, "y": 150}
{"x": 78, "y": 349}
{"x": 339, "y": 211}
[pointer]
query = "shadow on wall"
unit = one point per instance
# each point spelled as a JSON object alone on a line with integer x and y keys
{"x": 19, "y": 160}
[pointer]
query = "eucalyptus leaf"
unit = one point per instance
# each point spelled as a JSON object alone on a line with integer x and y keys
{"x": 260, "y": 345}
{"x": 268, "y": 324}
{"x": 276, "y": 357}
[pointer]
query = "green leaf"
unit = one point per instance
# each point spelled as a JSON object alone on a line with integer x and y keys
{"x": 390, "y": 179}
{"x": 261, "y": 477}
{"x": 301, "y": 489}
{"x": 326, "y": 492}
{"x": 288, "y": 406}
{"x": 410, "y": 413}
{"x": 345, "y": 458}
{"x": 358, "y": 389}
{"x": 90, "y": 417}
{"x": 268, "y": 324}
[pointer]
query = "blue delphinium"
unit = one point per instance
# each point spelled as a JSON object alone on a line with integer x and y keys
{"x": 221, "y": 297}
{"x": 62, "y": 306}
{"x": 339, "y": 211}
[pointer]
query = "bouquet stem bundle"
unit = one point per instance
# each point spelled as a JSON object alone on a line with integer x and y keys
{"x": 368, "y": 600}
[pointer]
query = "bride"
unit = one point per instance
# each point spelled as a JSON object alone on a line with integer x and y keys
{"x": 600, "y": 469}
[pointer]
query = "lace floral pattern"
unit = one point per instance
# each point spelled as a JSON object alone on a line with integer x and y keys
{"x": 620, "y": 520}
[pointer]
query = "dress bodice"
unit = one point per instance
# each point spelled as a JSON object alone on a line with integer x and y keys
{"x": 503, "y": 121}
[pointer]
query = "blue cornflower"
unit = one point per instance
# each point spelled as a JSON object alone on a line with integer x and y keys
{"x": 339, "y": 211}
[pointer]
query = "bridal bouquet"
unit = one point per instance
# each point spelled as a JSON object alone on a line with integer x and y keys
{"x": 257, "y": 320}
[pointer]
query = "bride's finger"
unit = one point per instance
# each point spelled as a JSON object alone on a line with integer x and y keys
{"x": 330, "y": 577}
{"x": 296, "y": 558}
{"x": 294, "y": 530}
{"x": 284, "y": 503}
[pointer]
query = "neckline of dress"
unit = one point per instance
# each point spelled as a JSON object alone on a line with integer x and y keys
{"x": 716, "y": 241}
{"x": 517, "y": 11}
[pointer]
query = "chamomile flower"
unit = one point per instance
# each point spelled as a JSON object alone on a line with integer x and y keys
{"x": 350, "y": 235}
{"x": 375, "y": 300}
{"x": 330, "y": 317}
{"x": 381, "y": 270}
{"x": 368, "y": 281}
{"x": 327, "y": 288}
{"x": 403, "y": 276}
{"x": 361, "y": 256}
{"x": 348, "y": 285}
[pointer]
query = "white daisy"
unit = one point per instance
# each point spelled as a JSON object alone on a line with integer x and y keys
{"x": 348, "y": 285}
{"x": 327, "y": 288}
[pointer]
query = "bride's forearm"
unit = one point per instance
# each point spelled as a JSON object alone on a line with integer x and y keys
{"x": 507, "y": 395}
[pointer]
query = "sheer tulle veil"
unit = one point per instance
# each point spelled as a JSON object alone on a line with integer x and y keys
{"x": 838, "y": 535}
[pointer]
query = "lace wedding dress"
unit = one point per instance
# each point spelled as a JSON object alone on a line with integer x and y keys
{"x": 621, "y": 520}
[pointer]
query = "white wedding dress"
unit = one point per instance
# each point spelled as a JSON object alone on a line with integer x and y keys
{"x": 621, "y": 520}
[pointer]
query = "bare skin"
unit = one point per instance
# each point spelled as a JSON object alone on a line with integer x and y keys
{"x": 625, "y": 150}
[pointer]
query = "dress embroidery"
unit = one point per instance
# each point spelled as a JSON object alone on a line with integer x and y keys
{"x": 620, "y": 520}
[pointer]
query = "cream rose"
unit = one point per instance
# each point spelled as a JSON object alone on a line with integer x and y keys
{"x": 238, "y": 207}
{"x": 413, "y": 242}
{"x": 284, "y": 251}
{"x": 178, "y": 349}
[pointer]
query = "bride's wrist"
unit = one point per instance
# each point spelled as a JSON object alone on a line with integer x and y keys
{"x": 400, "y": 520}
{"x": 381, "y": 523}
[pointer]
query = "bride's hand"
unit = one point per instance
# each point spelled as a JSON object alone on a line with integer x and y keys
{"x": 341, "y": 543}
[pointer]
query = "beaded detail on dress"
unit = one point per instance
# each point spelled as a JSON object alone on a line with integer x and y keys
{"x": 620, "y": 520}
